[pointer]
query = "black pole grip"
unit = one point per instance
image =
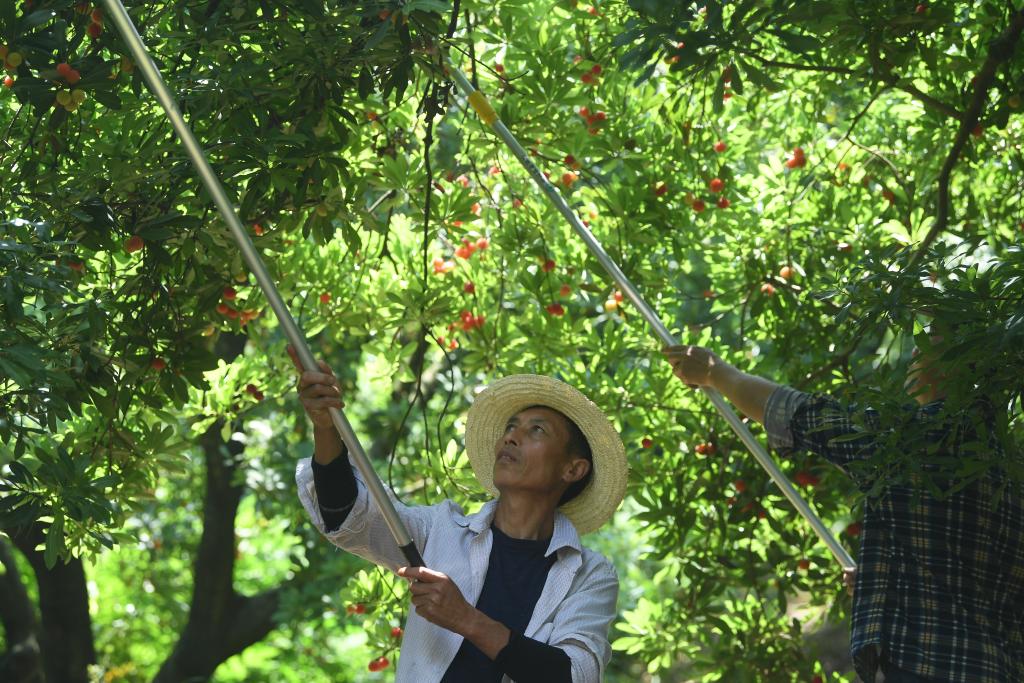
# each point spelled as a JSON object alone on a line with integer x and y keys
{"x": 412, "y": 555}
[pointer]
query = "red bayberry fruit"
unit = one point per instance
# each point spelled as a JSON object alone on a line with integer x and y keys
{"x": 723, "y": 203}
{"x": 767, "y": 289}
{"x": 469, "y": 288}
{"x": 378, "y": 664}
{"x": 548, "y": 266}
{"x": 565, "y": 290}
{"x": 325, "y": 298}
{"x": 587, "y": 78}
{"x": 804, "y": 564}
{"x": 660, "y": 190}
{"x": 516, "y": 203}
{"x": 95, "y": 30}
{"x": 854, "y": 529}
{"x": 499, "y": 67}
{"x": 158, "y": 364}
{"x": 786, "y": 272}
{"x": 133, "y": 244}
{"x": 646, "y": 443}
{"x": 716, "y": 185}
{"x": 555, "y": 309}
{"x": 596, "y": 69}
{"x": 396, "y": 632}
{"x": 230, "y": 293}
{"x": 720, "y": 146}
{"x": 698, "y": 205}
{"x": 482, "y": 243}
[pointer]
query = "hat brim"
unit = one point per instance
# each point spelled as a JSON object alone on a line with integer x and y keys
{"x": 505, "y": 397}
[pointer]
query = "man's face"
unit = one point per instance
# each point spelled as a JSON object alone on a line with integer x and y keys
{"x": 532, "y": 454}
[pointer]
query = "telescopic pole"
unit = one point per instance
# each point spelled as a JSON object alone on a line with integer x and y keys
{"x": 486, "y": 112}
{"x": 119, "y": 16}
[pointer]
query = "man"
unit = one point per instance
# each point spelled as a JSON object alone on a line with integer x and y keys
{"x": 508, "y": 593}
{"x": 939, "y": 590}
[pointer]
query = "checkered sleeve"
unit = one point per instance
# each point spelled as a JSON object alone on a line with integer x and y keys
{"x": 795, "y": 420}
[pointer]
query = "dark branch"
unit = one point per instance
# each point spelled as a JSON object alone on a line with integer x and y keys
{"x": 1000, "y": 50}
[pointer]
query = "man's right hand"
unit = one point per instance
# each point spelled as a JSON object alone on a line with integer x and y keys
{"x": 318, "y": 391}
{"x": 695, "y": 365}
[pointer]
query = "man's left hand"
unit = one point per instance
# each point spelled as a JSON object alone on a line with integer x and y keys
{"x": 437, "y": 599}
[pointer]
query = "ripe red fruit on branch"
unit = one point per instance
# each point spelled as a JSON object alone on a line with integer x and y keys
{"x": 325, "y": 298}
{"x": 723, "y": 203}
{"x": 133, "y": 244}
{"x": 378, "y": 664}
{"x": 796, "y": 158}
{"x": 767, "y": 289}
{"x": 482, "y": 243}
{"x": 584, "y": 112}
{"x": 555, "y": 309}
{"x": 158, "y": 364}
{"x": 786, "y": 272}
{"x": 587, "y": 78}
{"x": 568, "y": 179}
{"x": 356, "y": 608}
{"x": 854, "y": 529}
{"x": 469, "y": 288}
{"x": 396, "y": 632}
{"x": 921, "y": 8}
{"x": 646, "y": 443}
{"x": 596, "y": 69}
{"x": 548, "y": 266}
{"x": 565, "y": 290}
{"x": 499, "y": 67}
{"x": 516, "y": 203}
{"x": 716, "y": 185}
{"x": 63, "y": 69}
{"x": 95, "y": 30}
{"x": 804, "y": 564}
{"x": 223, "y": 308}
{"x": 660, "y": 190}
{"x": 698, "y": 205}
{"x": 8, "y": 82}
{"x": 805, "y": 478}
{"x": 230, "y": 293}
{"x": 720, "y": 146}
{"x": 705, "y": 449}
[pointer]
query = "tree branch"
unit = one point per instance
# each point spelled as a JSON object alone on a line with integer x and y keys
{"x": 1000, "y": 50}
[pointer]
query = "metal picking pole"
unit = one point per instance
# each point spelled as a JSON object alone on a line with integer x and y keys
{"x": 117, "y": 14}
{"x": 486, "y": 112}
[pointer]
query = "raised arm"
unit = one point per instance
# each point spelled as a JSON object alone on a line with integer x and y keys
{"x": 701, "y": 367}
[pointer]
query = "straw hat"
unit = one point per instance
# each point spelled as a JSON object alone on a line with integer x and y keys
{"x": 504, "y": 398}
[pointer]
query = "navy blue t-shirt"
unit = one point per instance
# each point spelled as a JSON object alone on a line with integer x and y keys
{"x": 515, "y": 578}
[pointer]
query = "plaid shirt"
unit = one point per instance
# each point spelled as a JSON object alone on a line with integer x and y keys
{"x": 940, "y": 583}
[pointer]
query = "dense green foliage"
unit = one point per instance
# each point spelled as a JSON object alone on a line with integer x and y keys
{"x": 145, "y": 396}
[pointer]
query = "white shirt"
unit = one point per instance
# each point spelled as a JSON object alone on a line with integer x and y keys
{"x": 573, "y": 612}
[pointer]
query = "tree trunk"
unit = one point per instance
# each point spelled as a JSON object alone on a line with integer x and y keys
{"x": 66, "y": 640}
{"x": 22, "y": 663}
